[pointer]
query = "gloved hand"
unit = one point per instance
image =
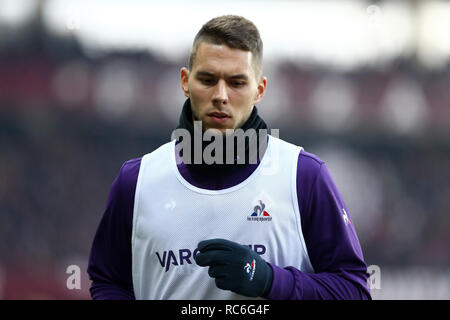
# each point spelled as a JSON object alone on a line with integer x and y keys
{"x": 235, "y": 267}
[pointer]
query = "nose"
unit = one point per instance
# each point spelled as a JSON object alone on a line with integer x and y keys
{"x": 220, "y": 96}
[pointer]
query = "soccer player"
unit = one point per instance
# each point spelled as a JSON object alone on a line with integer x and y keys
{"x": 179, "y": 228}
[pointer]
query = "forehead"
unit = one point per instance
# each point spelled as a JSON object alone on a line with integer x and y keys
{"x": 217, "y": 58}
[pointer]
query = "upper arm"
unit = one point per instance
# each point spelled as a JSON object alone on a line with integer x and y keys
{"x": 110, "y": 257}
{"x": 328, "y": 229}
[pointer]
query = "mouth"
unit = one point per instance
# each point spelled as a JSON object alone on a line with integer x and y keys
{"x": 218, "y": 117}
{"x": 218, "y": 114}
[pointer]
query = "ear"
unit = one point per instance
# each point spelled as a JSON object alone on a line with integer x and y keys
{"x": 261, "y": 90}
{"x": 184, "y": 73}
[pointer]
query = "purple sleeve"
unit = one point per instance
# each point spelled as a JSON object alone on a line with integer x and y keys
{"x": 109, "y": 265}
{"x": 332, "y": 244}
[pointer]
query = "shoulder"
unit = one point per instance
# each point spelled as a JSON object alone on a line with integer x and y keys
{"x": 130, "y": 170}
{"x": 309, "y": 171}
{"x": 314, "y": 172}
{"x": 310, "y": 158}
{"x": 308, "y": 161}
{"x": 130, "y": 167}
{"x": 124, "y": 184}
{"x": 309, "y": 164}
{"x": 162, "y": 154}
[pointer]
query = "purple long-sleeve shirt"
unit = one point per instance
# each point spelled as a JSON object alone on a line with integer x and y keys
{"x": 333, "y": 247}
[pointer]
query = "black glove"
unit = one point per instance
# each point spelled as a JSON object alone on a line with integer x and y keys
{"x": 235, "y": 267}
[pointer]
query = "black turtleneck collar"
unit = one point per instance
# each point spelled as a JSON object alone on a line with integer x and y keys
{"x": 253, "y": 122}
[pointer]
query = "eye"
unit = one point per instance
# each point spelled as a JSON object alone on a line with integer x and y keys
{"x": 237, "y": 83}
{"x": 207, "y": 81}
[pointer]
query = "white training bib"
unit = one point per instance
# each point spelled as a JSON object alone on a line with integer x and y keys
{"x": 171, "y": 217}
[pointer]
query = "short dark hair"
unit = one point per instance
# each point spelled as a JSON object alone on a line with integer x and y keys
{"x": 234, "y": 31}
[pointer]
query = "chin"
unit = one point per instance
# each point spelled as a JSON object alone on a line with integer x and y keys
{"x": 216, "y": 126}
{"x": 216, "y": 130}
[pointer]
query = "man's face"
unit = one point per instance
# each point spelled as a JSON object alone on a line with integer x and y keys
{"x": 222, "y": 86}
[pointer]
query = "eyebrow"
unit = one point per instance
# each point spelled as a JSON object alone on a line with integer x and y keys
{"x": 209, "y": 74}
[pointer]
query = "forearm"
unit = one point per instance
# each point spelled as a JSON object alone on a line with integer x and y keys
{"x": 109, "y": 291}
{"x": 292, "y": 284}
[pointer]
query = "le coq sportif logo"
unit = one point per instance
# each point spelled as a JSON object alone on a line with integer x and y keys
{"x": 259, "y": 214}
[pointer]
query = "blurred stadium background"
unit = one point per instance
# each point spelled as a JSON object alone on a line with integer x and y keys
{"x": 87, "y": 85}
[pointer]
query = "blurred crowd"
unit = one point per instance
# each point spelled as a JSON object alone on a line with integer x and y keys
{"x": 69, "y": 119}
